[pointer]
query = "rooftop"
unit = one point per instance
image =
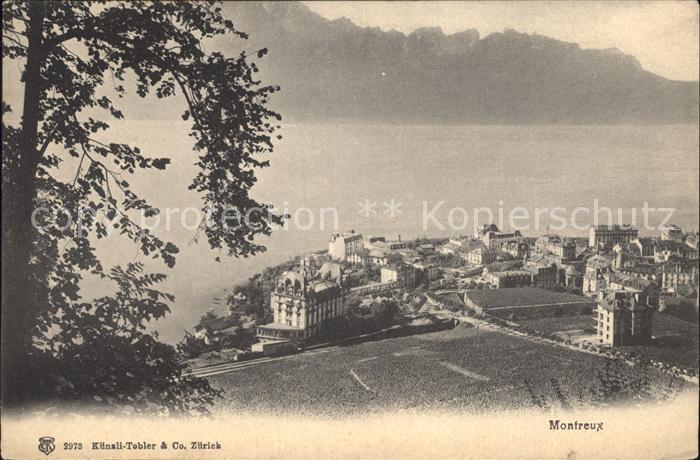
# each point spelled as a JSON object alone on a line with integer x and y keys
{"x": 615, "y": 227}
{"x": 507, "y": 273}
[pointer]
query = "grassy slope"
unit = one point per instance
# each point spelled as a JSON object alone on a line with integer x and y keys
{"x": 407, "y": 373}
{"x": 564, "y": 323}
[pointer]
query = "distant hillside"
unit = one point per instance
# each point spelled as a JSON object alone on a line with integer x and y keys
{"x": 335, "y": 70}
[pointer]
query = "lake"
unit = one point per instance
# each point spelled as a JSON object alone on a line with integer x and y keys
{"x": 444, "y": 172}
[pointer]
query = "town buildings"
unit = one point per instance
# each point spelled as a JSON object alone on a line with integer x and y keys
{"x": 671, "y": 232}
{"x": 624, "y": 317}
{"x": 516, "y": 249}
{"x": 211, "y": 325}
{"x": 573, "y": 279}
{"x": 302, "y": 301}
{"x": 395, "y": 245}
{"x": 557, "y": 246}
{"x": 676, "y": 273}
{"x": 448, "y": 248}
{"x": 370, "y": 241}
{"x": 495, "y": 240}
{"x": 341, "y": 245}
{"x": 666, "y": 249}
{"x": 402, "y": 274}
{"x": 621, "y": 281}
{"x": 645, "y": 246}
{"x": 552, "y": 271}
{"x": 619, "y": 272}
{"x": 481, "y": 230}
{"x": 380, "y": 257}
{"x": 360, "y": 258}
{"x": 427, "y": 270}
{"x": 510, "y": 278}
{"x": 481, "y": 256}
{"x": 425, "y": 249}
{"x": 379, "y": 242}
{"x": 593, "y": 278}
{"x": 607, "y": 236}
{"x": 544, "y": 275}
{"x": 460, "y": 246}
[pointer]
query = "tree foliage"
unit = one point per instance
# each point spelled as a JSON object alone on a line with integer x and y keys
{"x": 77, "y": 59}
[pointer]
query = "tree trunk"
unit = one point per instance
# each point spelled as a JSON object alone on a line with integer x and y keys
{"x": 19, "y": 195}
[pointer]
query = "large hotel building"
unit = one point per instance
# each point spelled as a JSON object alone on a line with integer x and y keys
{"x": 303, "y": 301}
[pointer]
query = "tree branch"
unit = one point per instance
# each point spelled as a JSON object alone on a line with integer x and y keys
{"x": 47, "y": 142}
{"x": 57, "y": 40}
{"x": 17, "y": 42}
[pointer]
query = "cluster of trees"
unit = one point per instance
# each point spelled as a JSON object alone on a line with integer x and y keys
{"x": 257, "y": 290}
{"x": 451, "y": 260}
{"x": 76, "y": 60}
{"x": 414, "y": 244}
{"x": 365, "y": 275}
{"x": 358, "y": 320}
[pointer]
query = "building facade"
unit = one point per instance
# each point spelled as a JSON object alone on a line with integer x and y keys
{"x": 609, "y": 235}
{"x": 555, "y": 245}
{"x": 671, "y": 232}
{"x": 677, "y": 273}
{"x": 624, "y": 317}
{"x": 508, "y": 279}
{"x": 573, "y": 278}
{"x": 594, "y": 280}
{"x": 402, "y": 274}
{"x": 543, "y": 275}
{"x": 495, "y": 240}
{"x": 341, "y": 245}
{"x": 665, "y": 250}
{"x": 370, "y": 241}
{"x": 516, "y": 249}
{"x": 480, "y": 230}
{"x": 302, "y": 302}
{"x": 359, "y": 258}
{"x": 427, "y": 271}
{"x": 481, "y": 256}
{"x": 645, "y": 246}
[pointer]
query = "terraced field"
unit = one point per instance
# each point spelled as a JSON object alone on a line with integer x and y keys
{"x": 463, "y": 368}
{"x": 564, "y": 323}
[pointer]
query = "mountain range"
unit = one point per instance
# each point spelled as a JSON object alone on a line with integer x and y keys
{"x": 334, "y": 70}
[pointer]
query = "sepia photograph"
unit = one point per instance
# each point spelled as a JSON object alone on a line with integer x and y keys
{"x": 350, "y": 229}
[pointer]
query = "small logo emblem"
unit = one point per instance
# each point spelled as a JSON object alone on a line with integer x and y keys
{"x": 46, "y": 444}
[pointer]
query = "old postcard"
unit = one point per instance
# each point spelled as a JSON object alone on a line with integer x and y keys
{"x": 350, "y": 230}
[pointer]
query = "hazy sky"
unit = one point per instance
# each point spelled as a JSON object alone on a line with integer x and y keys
{"x": 662, "y": 35}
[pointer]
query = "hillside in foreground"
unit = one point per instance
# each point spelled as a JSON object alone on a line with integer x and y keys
{"x": 470, "y": 369}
